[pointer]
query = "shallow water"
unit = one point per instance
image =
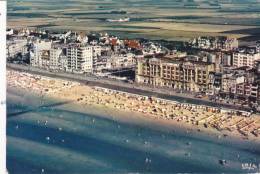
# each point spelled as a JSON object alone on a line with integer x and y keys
{"x": 52, "y": 138}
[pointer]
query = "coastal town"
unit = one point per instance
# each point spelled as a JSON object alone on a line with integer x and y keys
{"x": 214, "y": 68}
{"x": 131, "y": 86}
{"x": 220, "y": 71}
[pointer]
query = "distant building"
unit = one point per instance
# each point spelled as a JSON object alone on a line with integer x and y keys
{"x": 176, "y": 54}
{"x": 215, "y": 43}
{"x": 114, "y": 41}
{"x": 227, "y": 44}
{"x": 82, "y": 38}
{"x": 150, "y": 49}
{"x": 132, "y": 44}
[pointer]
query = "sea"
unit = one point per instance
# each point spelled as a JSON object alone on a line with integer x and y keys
{"x": 50, "y": 136}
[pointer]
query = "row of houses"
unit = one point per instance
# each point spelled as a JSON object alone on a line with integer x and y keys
{"x": 222, "y": 43}
{"x": 215, "y": 69}
{"x": 78, "y": 58}
{"x": 197, "y": 76}
{"x": 242, "y": 83}
{"x": 73, "y": 57}
{"x": 71, "y": 51}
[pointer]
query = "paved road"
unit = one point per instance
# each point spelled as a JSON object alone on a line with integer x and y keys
{"x": 122, "y": 86}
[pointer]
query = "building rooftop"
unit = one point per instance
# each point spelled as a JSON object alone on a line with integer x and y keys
{"x": 177, "y": 61}
{"x": 246, "y": 50}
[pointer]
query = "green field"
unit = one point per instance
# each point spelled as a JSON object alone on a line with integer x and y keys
{"x": 164, "y": 19}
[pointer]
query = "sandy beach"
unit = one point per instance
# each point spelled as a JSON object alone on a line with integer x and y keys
{"x": 222, "y": 123}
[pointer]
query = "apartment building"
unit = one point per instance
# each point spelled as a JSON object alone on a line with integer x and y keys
{"x": 55, "y": 54}
{"x": 15, "y": 47}
{"x": 245, "y": 57}
{"x": 40, "y": 54}
{"x": 121, "y": 61}
{"x": 174, "y": 73}
{"x": 226, "y": 59}
{"x": 241, "y": 83}
{"x": 82, "y": 58}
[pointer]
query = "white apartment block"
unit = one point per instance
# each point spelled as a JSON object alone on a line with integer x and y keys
{"x": 245, "y": 58}
{"x": 82, "y": 58}
{"x": 121, "y": 61}
{"x": 55, "y": 54}
{"x": 96, "y": 54}
{"x": 16, "y": 47}
{"x": 63, "y": 62}
{"x": 39, "y": 56}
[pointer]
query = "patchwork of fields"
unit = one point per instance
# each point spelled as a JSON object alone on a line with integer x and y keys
{"x": 164, "y": 19}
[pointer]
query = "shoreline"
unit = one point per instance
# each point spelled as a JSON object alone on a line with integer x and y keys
{"x": 125, "y": 130}
{"x": 79, "y": 94}
{"x": 142, "y": 121}
{"x": 130, "y": 88}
